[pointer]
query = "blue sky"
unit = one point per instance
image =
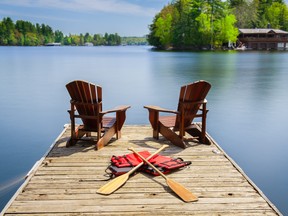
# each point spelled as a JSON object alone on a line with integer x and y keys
{"x": 125, "y": 17}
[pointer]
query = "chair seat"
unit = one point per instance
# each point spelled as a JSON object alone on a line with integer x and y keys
{"x": 108, "y": 121}
{"x": 168, "y": 121}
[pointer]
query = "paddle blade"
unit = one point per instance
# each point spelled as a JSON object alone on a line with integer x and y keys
{"x": 113, "y": 185}
{"x": 181, "y": 191}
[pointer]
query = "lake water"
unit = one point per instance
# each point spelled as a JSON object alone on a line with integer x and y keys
{"x": 248, "y": 102}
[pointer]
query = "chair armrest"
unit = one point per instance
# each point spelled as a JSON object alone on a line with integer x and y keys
{"x": 121, "y": 108}
{"x": 160, "y": 109}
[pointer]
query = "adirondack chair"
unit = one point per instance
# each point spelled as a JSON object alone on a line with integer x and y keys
{"x": 175, "y": 123}
{"x": 86, "y": 104}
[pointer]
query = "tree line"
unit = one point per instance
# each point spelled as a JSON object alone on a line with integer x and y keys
{"x": 198, "y": 24}
{"x": 24, "y": 33}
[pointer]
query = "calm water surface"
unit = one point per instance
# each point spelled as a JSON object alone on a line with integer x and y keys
{"x": 248, "y": 102}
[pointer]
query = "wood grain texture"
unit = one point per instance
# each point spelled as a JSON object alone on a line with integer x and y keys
{"x": 67, "y": 179}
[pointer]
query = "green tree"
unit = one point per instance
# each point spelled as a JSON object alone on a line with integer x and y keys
{"x": 245, "y": 18}
{"x": 277, "y": 16}
{"x": 98, "y": 40}
{"x": 7, "y": 36}
{"x": 75, "y": 40}
{"x": 31, "y": 39}
{"x": 106, "y": 38}
{"x": 193, "y": 24}
{"x": 48, "y": 33}
{"x": 204, "y": 29}
{"x": 59, "y": 37}
{"x": 225, "y": 30}
{"x": 67, "y": 40}
{"x": 151, "y": 37}
{"x": 87, "y": 38}
{"x": 81, "y": 40}
{"x": 113, "y": 39}
{"x": 185, "y": 26}
{"x": 163, "y": 30}
{"x": 19, "y": 38}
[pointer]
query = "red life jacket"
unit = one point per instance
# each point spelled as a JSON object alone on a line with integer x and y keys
{"x": 122, "y": 164}
{"x": 129, "y": 160}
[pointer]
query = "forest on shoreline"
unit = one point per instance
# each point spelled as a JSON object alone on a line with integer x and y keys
{"x": 24, "y": 33}
{"x": 205, "y": 24}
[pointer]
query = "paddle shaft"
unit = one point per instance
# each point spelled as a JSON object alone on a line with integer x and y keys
{"x": 148, "y": 158}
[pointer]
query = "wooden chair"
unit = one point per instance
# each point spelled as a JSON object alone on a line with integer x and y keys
{"x": 192, "y": 104}
{"x": 86, "y": 99}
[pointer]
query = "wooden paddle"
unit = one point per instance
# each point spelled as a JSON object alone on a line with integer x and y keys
{"x": 116, "y": 183}
{"x": 179, "y": 189}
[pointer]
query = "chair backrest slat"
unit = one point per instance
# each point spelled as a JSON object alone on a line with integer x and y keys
{"x": 190, "y": 93}
{"x": 90, "y": 95}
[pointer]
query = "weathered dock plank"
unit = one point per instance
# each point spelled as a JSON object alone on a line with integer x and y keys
{"x": 65, "y": 182}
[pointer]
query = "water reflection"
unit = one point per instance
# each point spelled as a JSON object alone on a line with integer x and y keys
{"x": 247, "y": 101}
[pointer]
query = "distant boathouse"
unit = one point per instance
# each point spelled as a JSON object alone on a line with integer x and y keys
{"x": 263, "y": 39}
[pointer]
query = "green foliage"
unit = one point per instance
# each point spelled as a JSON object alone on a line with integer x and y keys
{"x": 134, "y": 41}
{"x": 152, "y": 39}
{"x": 24, "y": 33}
{"x": 260, "y": 13}
{"x": 246, "y": 18}
{"x": 113, "y": 40}
{"x": 277, "y": 16}
{"x": 59, "y": 37}
{"x": 193, "y": 24}
{"x": 225, "y": 30}
{"x": 198, "y": 24}
{"x": 204, "y": 29}
{"x": 163, "y": 30}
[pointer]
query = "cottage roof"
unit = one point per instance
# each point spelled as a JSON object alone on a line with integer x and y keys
{"x": 262, "y": 31}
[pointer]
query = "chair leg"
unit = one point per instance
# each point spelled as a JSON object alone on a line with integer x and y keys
{"x": 154, "y": 119}
{"x": 76, "y": 134}
{"x": 99, "y": 131}
{"x": 203, "y": 129}
{"x": 171, "y": 136}
{"x": 70, "y": 142}
{"x": 118, "y": 125}
{"x": 118, "y": 134}
{"x": 74, "y": 131}
{"x": 156, "y": 134}
{"x": 104, "y": 140}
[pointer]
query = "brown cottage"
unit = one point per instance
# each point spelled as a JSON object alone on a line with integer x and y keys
{"x": 263, "y": 39}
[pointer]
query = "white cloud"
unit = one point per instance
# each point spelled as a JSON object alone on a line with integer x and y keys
{"x": 110, "y": 6}
{"x": 21, "y": 14}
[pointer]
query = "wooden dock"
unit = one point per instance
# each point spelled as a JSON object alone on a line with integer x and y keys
{"x": 65, "y": 181}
